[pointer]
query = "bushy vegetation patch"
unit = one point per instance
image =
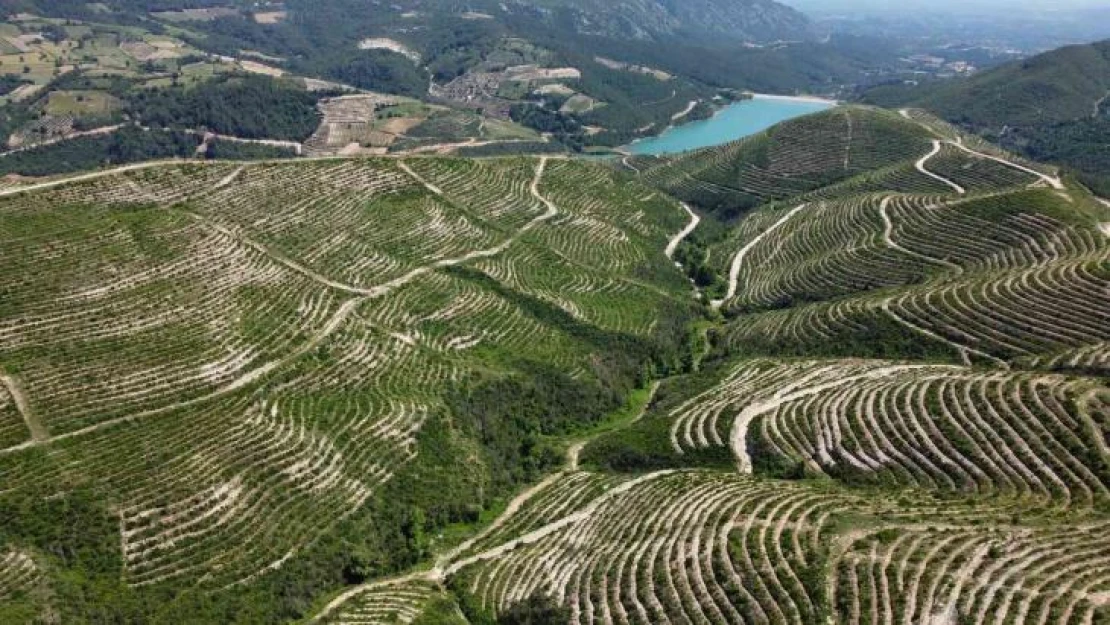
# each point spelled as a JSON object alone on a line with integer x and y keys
{"x": 128, "y": 145}
{"x": 248, "y": 106}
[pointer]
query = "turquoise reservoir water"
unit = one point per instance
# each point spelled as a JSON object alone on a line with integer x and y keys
{"x": 733, "y": 122}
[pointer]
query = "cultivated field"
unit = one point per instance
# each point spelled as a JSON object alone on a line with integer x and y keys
{"x": 896, "y": 413}
{"x": 244, "y": 353}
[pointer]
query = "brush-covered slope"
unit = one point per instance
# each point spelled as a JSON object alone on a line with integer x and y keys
{"x": 1058, "y": 86}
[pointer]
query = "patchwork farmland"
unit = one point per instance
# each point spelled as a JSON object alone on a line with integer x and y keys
{"x": 440, "y": 390}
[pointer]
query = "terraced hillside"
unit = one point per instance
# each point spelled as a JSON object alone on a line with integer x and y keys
{"x": 227, "y": 363}
{"x": 790, "y": 159}
{"x": 476, "y": 391}
{"x": 902, "y": 418}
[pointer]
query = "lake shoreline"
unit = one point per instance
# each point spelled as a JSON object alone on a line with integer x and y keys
{"x": 732, "y": 122}
{"x": 794, "y": 98}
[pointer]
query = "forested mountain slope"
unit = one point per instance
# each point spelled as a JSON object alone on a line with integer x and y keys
{"x": 748, "y": 20}
{"x": 430, "y": 390}
{"x": 474, "y": 78}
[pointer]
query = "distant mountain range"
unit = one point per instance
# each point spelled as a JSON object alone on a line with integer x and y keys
{"x": 749, "y": 20}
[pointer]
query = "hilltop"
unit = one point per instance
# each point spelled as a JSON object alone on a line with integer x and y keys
{"x": 426, "y": 389}
{"x": 1052, "y": 107}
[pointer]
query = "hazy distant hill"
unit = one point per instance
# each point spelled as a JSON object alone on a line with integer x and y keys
{"x": 752, "y": 20}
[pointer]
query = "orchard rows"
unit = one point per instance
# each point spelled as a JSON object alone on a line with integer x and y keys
{"x": 791, "y": 159}
{"x": 238, "y": 356}
{"x": 933, "y": 427}
{"x": 704, "y": 546}
{"x": 398, "y": 603}
{"x": 971, "y": 274}
{"x": 1004, "y": 575}
{"x": 1003, "y": 272}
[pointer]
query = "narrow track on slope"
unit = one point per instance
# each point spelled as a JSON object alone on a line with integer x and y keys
{"x": 279, "y": 258}
{"x": 331, "y": 327}
{"x": 230, "y": 178}
{"x": 672, "y": 246}
{"x": 1098, "y": 105}
{"x": 920, "y": 165}
{"x": 888, "y": 238}
{"x": 37, "y": 428}
{"x": 417, "y": 177}
{"x": 738, "y": 260}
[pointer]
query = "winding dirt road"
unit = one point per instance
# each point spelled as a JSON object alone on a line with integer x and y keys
{"x": 686, "y": 111}
{"x": 672, "y": 246}
{"x": 738, "y": 260}
{"x": 1052, "y": 181}
{"x": 920, "y": 165}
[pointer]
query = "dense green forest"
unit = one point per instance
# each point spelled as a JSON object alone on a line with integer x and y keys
{"x": 249, "y": 106}
{"x": 128, "y": 145}
{"x": 546, "y": 118}
{"x": 239, "y": 105}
